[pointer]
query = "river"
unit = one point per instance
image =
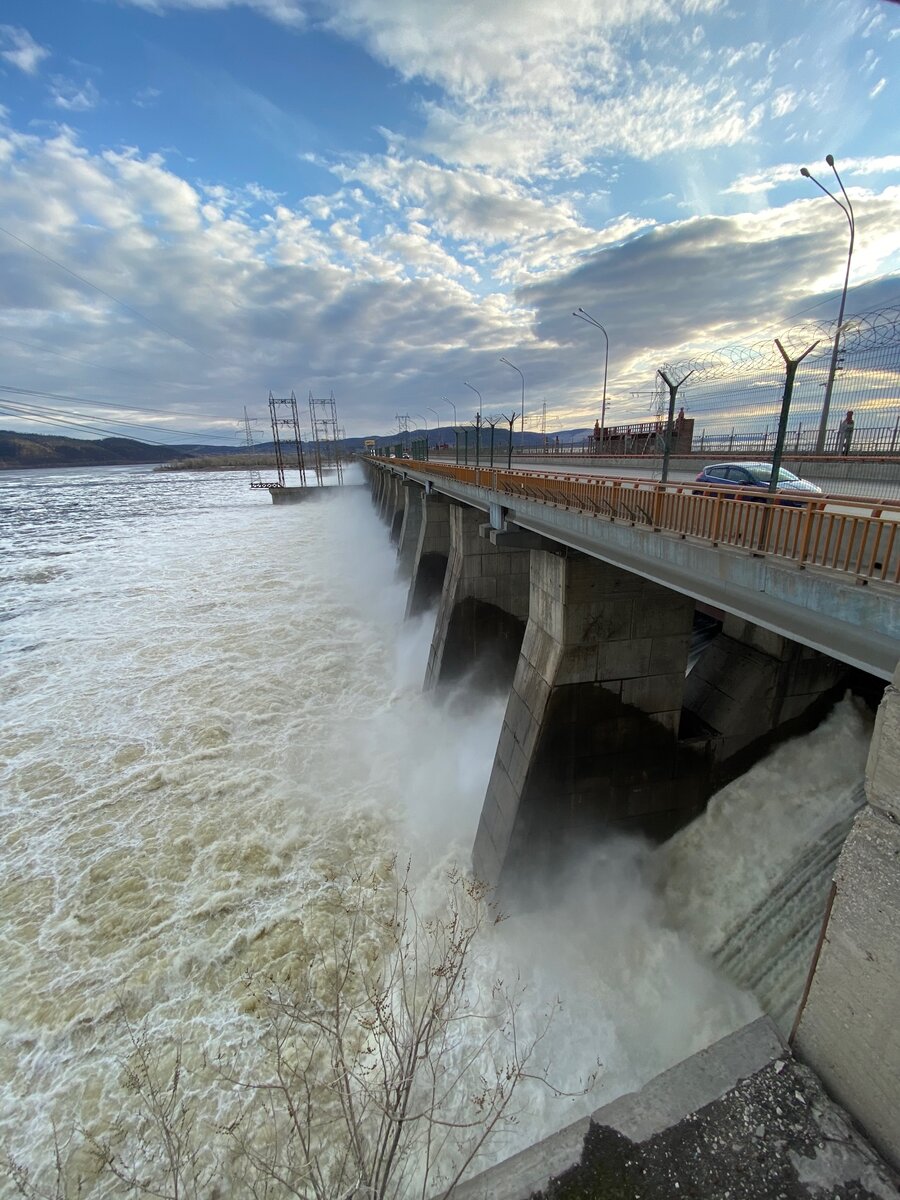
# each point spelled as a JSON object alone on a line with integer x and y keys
{"x": 211, "y": 718}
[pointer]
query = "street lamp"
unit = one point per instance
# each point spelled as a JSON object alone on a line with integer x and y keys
{"x": 522, "y": 377}
{"x": 847, "y": 209}
{"x": 452, "y": 405}
{"x": 421, "y": 418}
{"x": 583, "y": 316}
{"x": 478, "y": 420}
{"x": 438, "y": 415}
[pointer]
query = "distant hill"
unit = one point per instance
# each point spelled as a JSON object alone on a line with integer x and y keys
{"x": 21, "y": 450}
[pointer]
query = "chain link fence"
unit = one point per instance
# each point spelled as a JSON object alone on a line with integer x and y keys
{"x": 844, "y": 437}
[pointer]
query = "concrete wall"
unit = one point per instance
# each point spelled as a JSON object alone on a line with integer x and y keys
{"x": 590, "y": 734}
{"x": 750, "y": 683}
{"x": 483, "y": 607}
{"x": 849, "y": 1027}
{"x": 740, "y": 1118}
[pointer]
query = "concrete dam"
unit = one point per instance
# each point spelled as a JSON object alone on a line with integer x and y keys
{"x": 653, "y": 647}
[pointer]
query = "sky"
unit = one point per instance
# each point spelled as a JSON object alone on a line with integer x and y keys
{"x": 202, "y": 201}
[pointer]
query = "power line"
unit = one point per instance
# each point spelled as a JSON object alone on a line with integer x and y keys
{"x": 84, "y": 427}
{"x": 17, "y": 391}
{"x": 58, "y": 416}
{"x": 115, "y": 299}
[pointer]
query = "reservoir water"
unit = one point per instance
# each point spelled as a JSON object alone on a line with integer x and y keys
{"x": 211, "y": 714}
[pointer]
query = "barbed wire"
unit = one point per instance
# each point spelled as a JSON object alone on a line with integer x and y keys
{"x": 862, "y": 332}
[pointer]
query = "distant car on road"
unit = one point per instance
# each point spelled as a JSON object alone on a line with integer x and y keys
{"x": 756, "y": 475}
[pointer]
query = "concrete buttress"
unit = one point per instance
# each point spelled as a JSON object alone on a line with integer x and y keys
{"x": 590, "y": 734}
{"x": 393, "y": 512}
{"x": 431, "y": 554}
{"x": 412, "y": 523}
{"x": 483, "y": 607}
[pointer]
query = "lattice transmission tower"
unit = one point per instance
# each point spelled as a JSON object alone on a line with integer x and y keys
{"x": 326, "y": 445}
{"x": 256, "y": 480}
{"x": 291, "y": 422}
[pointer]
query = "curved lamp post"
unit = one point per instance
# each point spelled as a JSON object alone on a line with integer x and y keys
{"x": 438, "y": 415}
{"x": 478, "y": 422}
{"x": 847, "y": 209}
{"x": 522, "y": 377}
{"x": 421, "y": 418}
{"x": 444, "y": 400}
{"x": 583, "y": 316}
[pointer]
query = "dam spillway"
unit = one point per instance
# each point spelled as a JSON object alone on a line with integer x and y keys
{"x": 557, "y": 775}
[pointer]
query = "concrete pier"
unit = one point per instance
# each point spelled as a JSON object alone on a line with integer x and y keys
{"x": 392, "y": 510}
{"x": 590, "y": 734}
{"x": 432, "y": 553}
{"x": 849, "y": 1027}
{"x": 483, "y": 606}
{"x": 410, "y": 526}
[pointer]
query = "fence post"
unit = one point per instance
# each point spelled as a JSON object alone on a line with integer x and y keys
{"x": 790, "y": 371}
{"x": 673, "y": 391}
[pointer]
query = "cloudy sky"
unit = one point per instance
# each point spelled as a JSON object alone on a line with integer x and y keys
{"x": 203, "y": 200}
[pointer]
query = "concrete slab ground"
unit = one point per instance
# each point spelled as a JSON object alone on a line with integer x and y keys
{"x": 741, "y": 1120}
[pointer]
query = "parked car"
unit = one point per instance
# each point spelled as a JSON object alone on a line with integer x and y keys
{"x": 756, "y": 475}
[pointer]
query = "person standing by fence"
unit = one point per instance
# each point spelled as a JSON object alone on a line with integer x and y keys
{"x": 845, "y": 433}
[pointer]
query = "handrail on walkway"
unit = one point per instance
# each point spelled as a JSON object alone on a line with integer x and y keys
{"x": 854, "y": 536}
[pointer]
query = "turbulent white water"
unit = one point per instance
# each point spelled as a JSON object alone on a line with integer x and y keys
{"x": 210, "y": 710}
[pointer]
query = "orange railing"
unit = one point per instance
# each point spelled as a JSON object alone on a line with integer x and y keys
{"x": 856, "y": 536}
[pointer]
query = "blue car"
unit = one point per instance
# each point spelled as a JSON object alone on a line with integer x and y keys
{"x": 757, "y": 475}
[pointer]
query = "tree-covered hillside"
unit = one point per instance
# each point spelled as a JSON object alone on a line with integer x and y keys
{"x": 19, "y": 450}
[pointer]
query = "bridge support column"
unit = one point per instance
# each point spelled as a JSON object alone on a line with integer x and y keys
{"x": 590, "y": 735}
{"x": 483, "y": 608}
{"x": 411, "y": 525}
{"x": 751, "y": 683}
{"x": 848, "y": 1028}
{"x": 384, "y": 491}
{"x": 393, "y": 507}
{"x": 432, "y": 552}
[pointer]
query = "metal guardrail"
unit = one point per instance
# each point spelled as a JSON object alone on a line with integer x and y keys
{"x": 855, "y": 536}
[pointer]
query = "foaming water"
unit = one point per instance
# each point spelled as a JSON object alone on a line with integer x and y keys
{"x": 211, "y": 710}
{"x": 748, "y": 880}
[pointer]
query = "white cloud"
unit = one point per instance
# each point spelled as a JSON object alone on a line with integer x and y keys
{"x": 21, "y": 49}
{"x": 395, "y": 287}
{"x": 529, "y": 89}
{"x": 285, "y": 12}
{"x": 146, "y": 97}
{"x": 784, "y": 101}
{"x": 74, "y": 97}
{"x": 772, "y": 177}
{"x": 878, "y": 88}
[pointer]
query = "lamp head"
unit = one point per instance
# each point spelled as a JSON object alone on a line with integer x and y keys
{"x": 804, "y": 172}
{"x": 829, "y": 158}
